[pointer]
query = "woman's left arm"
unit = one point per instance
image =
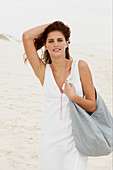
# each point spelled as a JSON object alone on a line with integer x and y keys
{"x": 89, "y": 102}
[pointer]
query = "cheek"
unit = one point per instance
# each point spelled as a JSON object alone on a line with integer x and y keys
{"x": 48, "y": 47}
{"x": 64, "y": 45}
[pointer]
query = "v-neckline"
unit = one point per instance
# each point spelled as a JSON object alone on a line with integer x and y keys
{"x": 65, "y": 79}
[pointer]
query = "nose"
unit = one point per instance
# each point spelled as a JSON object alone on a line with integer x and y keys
{"x": 55, "y": 44}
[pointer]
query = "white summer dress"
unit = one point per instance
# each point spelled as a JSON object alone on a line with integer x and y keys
{"x": 56, "y": 147}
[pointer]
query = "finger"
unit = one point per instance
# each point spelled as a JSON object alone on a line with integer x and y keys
{"x": 72, "y": 85}
{"x": 66, "y": 81}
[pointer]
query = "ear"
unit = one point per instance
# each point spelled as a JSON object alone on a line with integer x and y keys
{"x": 45, "y": 46}
{"x": 67, "y": 44}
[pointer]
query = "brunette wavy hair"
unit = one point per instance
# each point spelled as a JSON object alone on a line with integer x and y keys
{"x": 41, "y": 40}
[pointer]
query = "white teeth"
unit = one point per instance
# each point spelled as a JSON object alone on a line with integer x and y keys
{"x": 56, "y": 49}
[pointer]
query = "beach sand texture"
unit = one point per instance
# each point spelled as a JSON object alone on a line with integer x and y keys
{"x": 22, "y": 107}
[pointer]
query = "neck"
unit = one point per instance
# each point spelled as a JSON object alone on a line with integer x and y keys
{"x": 59, "y": 65}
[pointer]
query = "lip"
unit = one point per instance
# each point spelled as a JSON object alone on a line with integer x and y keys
{"x": 57, "y": 49}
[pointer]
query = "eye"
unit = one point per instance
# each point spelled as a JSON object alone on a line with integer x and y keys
{"x": 60, "y": 40}
{"x": 50, "y": 41}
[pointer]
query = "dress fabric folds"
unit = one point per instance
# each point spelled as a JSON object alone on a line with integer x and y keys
{"x": 56, "y": 147}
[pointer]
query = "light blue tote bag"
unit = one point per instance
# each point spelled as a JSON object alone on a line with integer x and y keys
{"x": 92, "y": 133}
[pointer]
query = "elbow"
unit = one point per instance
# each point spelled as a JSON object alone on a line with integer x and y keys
{"x": 25, "y": 36}
{"x": 94, "y": 107}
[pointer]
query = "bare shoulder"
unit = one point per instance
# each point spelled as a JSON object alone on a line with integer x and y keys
{"x": 82, "y": 65}
{"x": 86, "y": 80}
{"x": 84, "y": 70}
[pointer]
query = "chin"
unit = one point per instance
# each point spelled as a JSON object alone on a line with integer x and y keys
{"x": 57, "y": 55}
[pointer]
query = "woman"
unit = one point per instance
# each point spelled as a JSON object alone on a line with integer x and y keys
{"x": 57, "y": 149}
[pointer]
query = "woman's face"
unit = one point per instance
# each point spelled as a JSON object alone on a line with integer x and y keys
{"x": 56, "y": 44}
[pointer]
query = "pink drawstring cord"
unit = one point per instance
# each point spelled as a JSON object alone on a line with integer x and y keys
{"x": 61, "y": 90}
{"x": 61, "y": 104}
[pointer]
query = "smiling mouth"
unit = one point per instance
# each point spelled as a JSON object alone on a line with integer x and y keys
{"x": 56, "y": 50}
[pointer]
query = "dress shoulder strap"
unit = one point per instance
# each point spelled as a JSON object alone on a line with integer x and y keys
{"x": 74, "y": 66}
{"x": 75, "y": 77}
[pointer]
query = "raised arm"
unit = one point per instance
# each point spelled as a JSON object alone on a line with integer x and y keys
{"x": 28, "y": 41}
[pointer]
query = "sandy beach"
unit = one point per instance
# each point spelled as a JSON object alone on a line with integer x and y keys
{"x": 22, "y": 105}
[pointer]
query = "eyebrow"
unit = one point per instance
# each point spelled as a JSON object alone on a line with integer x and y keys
{"x": 57, "y": 38}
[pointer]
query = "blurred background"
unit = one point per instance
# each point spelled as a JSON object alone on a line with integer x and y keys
{"x": 21, "y": 94}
